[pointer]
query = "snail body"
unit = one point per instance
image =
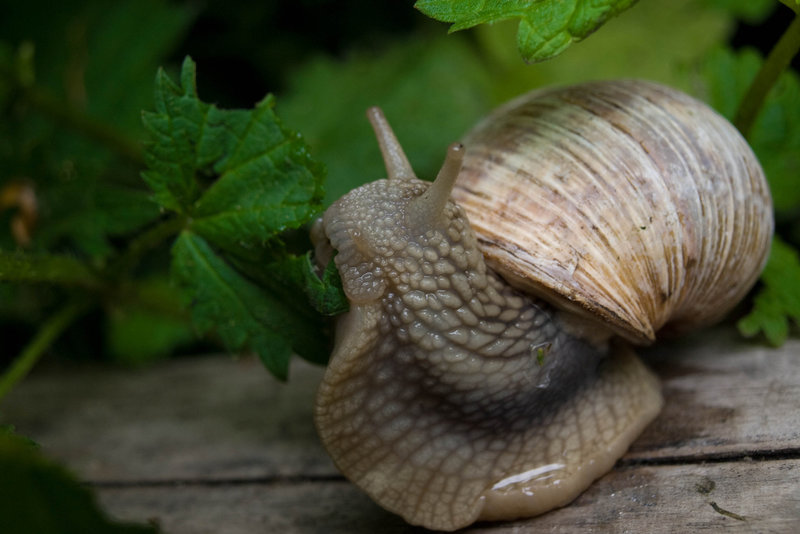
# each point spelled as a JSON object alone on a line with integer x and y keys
{"x": 453, "y": 395}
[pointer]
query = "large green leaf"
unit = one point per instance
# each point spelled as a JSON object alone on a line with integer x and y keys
{"x": 243, "y": 180}
{"x": 641, "y": 44}
{"x": 546, "y": 27}
{"x": 87, "y": 75}
{"x": 263, "y": 178}
{"x": 431, "y": 90}
{"x": 244, "y": 315}
{"x": 38, "y": 496}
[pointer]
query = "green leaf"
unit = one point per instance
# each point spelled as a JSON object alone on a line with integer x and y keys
{"x": 775, "y": 135}
{"x": 431, "y": 89}
{"x": 8, "y": 432}
{"x": 642, "y": 44}
{"x": 546, "y": 28}
{"x": 265, "y": 181}
{"x": 241, "y": 313}
{"x": 268, "y": 183}
{"x": 150, "y": 325}
{"x": 232, "y": 258}
{"x": 778, "y": 301}
{"x": 752, "y": 11}
{"x": 326, "y": 293}
{"x": 86, "y": 213}
{"x": 175, "y": 130}
{"x": 139, "y": 336}
{"x": 37, "y": 495}
{"x": 97, "y": 56}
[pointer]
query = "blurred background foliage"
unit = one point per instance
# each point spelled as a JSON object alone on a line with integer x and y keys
{"x": 73, "y": 84}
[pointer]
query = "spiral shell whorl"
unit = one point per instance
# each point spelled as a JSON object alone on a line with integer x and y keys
{"x": 626, "y": 199}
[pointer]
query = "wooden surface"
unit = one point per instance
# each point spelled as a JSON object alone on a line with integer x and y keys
{"x": 214, "y": 445}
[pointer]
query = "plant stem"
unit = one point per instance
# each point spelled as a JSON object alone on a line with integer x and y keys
{"x": 45, "y": 268}
{"x": 98, "y": 131}
{"x": 145, "y": 242}
{"x": 776, "y": 62}
{"x": 47, "y": 334}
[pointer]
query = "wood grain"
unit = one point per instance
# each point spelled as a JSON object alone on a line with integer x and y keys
{"x": 653, "y": 499}
{"x": 213, "y": 444}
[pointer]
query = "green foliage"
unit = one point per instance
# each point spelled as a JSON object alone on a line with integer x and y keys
{"x": 434, "y": 89}
{"x": 779, "y": 299}
{"x": 263, "y": 178}
{"x": 72, "y": 86}
{"x": 546, "y": 27}
{"x": 325, "y": 293}
{"x": 431, "y": 90}
{"x": 240, "y": 189}
{"x": 244, "y": 315}
{"x": 19, "y": 267}
{"x": 615, "y": 51}
{"x": 227, "y": 195}
{"x": 775, "y": 138}
{"x": 84, "y": 68}
{"x": 150, "y": 325}
{"x": 753, "y": 11}
{"x": 262, "y": 183}
{"x": 37, "y": 495}
{"x": 775, "y": 135}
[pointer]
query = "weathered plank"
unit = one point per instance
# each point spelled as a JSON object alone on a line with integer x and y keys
{"x": 761, "y": 497}
{"x": 213, "y": 444}
{"x": 218, "y": 418}
{"x": 213, "y": 418}
{"x": 724, "y": 397}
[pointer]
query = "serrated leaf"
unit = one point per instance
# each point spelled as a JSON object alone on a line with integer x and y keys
{"x": 264, "y": 180}
{"x": 546, "y": 28}
{"x": 615, "y": 52}
{"x": 37, "y": 495}
{"x": 232, "y": 257}
{"x": 775, "y": 135}
{"x": 268, "y": 183}
{"x": 778, "y": 301}
{"x": 175, "y": 128}
{"x": 325, "y": 294}
{"x": 241, "y": 313}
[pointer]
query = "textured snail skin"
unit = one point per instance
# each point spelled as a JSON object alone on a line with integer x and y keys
{"x": 450, "y": 396}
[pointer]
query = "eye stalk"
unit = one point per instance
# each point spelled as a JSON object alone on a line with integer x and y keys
{"x": 427, "y": 210}
{"x": 394, "y": 157}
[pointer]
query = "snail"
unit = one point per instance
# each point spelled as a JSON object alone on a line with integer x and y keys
{"x": 484, "y": 370}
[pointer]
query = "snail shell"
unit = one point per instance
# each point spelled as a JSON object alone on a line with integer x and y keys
{"x": 624, "y": 200}
{"x": 452, "y": 396}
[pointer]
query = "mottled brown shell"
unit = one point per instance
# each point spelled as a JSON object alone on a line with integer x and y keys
{"x": 626, "y": 199}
